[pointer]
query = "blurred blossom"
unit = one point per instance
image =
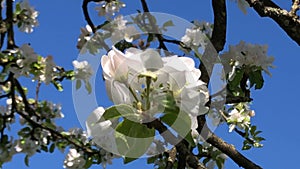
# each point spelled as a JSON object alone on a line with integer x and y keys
{"x": 28, "y": 17}
{"x": 26, "y": 146}
{"x": 83, "y": 70}
{"x": 74, "y": 160}
{"x": 109, "y": 8}
{"x": 250, "y": 55}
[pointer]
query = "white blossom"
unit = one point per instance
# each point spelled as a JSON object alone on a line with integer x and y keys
{"x": 28, "y": 57}
{"x": 101, "y": 131}
{"x": 109, "y": 8}
{"x": 240, "y": 116}
{"x": 74, "y": 160}
{"x": 26, "y": 146}
{"x": 49, "y": 70}
{"x": 83, "y": 70}
{"x": 193, "y": 38}
{"x": 84, "y": 36}
{"x": 243, "y": 5}
{"x": 28, "y": 17}
{"x": 205, "y": 27}
{"x": 122, "y": 31}
{"x": 175, "y": 74}
{"x": 253, "y": 56}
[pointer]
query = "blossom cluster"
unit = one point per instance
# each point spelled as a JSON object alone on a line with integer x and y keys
{"x": 126, "y": 76}
{"x": 30, "y": 63}
{"x": 74, "y": 160}
{"x": 240, "y": 116}
{"x": 27, "y": 16}
{"x": 197, "y": 35}
{"x": 109, "y": 8}
{"x": 253, "y": 57}
{"x": 149, "y": 84}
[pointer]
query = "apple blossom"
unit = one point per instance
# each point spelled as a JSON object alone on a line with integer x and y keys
{"x": 243, "y": 5}
{"x": 28, "y": 17}
{"x": 109, "y": 8}
{"x": 122, "y": 31}
{"x": 85, "y": 36}
{"x": 205, "y": 27}
{"x": 101, "y": 131}
{"x": 83, "y": 70}
{"x": 193, "y": 38}
{"x": 49, "y": 70}
{"x": 27, "y": 146}
{"x": 243, "y": 54}
{"x": 125, "y": 75}
{"x": 28, "y": 57}
{"x": 74, "y": 159}
{"x": 239, "y": 116}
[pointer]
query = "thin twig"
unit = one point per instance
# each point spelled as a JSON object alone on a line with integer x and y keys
{"x": 10, "y": 24}
{"x": 15, "y": 83}
{"x": 154, "y": 27}
{"x": 295, "y": 7}
{"x": 171, "y": 159}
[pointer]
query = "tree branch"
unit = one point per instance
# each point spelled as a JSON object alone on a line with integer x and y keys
{"x": 86, "y": 14}
{"x": 218, "y": 37}
{"x": 15, "y": 84}
{"x": 288, "y": 21}
{"x": 295, "y": 7}
{"x": 218, "y": 40}
{"x": 171, "y": 159}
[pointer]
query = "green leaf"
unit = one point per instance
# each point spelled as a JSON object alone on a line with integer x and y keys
{"x": 220, "y": 163}
{"x": 18, "y": 9}
{"x": 52, "y": 148}
{"x": 150, "y": 37}
{"x": 50, "y": 125}
{"x": 88, "y": 163}
{"x": 256, "y": 79}
{"x": 78, "y": 84}
{"x": 133, "y": 139}
{"x": 128, "y": 160}
{"x": 44, "y": 148}
{"x": 122, "y": 110}
{"x": 206, "y": 160}
{"x": 88, "y": 87}
{"x": 26, "y": 160}
{"x": 252, "y": 130}
{"x": 236, "y": 80}
{"x": 57, "y": 85}
{"x": 168, "y": 23}
{"x": 190, "y": 140}
{"x": 151, "y": 160}
{"x": 180, "y": 122}
{"x": 246, "y": 147}
{"x": 256, "y": 133}
{"x": 134, "y": 129}
{"x": 259, "y": 139}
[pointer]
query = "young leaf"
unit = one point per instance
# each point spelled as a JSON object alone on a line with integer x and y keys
{"x": 78, "y": 84}
{"x": 256, "y": 79}
{"x": 26, "y": 160}
{"x": 138, "y": 138}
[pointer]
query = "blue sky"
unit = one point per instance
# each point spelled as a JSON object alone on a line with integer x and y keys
{"x": 276, "y": 108}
